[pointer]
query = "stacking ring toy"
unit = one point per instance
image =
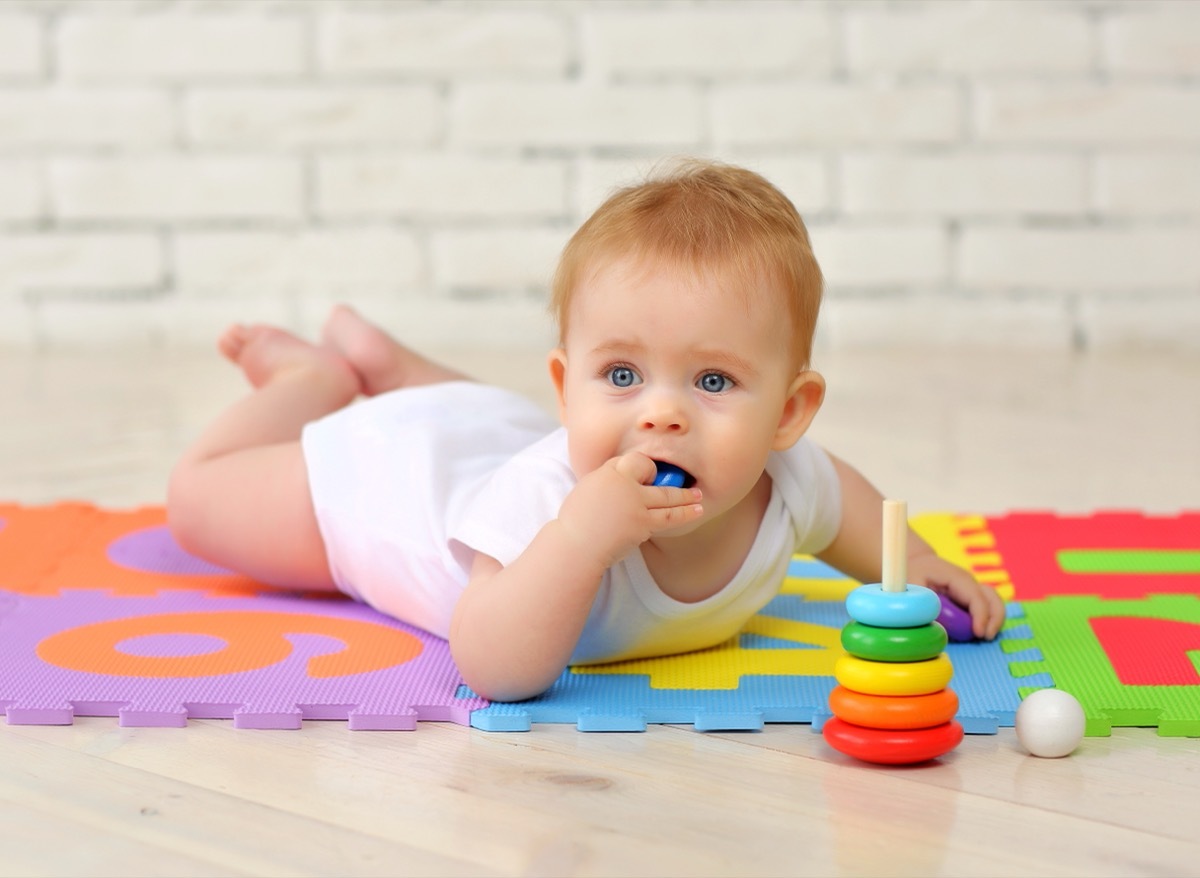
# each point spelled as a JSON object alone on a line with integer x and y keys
{"x": 893, "y": 644}
{"x": 895, "y": 678}
{"x": 892, "y": 747}
{"x": 892, "y": 705}
{"x": 893, "y": 712}
{"x": 871, "y": 605}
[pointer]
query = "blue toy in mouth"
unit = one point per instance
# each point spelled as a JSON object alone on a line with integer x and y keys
{"x": 671, "y": 476}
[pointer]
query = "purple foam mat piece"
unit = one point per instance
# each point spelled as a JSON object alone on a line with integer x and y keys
{"x": 267, "y": 662}
{"x": 154, "y": 550}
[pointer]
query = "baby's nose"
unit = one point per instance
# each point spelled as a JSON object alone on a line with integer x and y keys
{"x": 664, "y": 413}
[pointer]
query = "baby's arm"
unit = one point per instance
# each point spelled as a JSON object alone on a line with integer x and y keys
{"x": 856, "y": 551}
{"x": 515, "y": 626}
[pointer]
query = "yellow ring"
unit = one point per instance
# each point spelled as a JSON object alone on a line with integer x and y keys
{"x": 894, "y": 678}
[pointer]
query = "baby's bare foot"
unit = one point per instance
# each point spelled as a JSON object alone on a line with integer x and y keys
{"x": 382, "y": 363}
{"x": 265, "y": 352}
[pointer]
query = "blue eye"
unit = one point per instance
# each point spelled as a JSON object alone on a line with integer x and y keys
{"x": 714, "y": 382}
{"x": 622, "y": 376}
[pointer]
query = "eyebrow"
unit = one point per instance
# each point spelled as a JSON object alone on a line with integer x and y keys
{"x": 716, "y": 356}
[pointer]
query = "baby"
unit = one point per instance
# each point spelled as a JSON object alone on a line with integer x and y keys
{"x": 686, "y": 307}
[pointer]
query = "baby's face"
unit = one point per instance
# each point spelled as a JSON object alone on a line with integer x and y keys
{"x": 680, "y": 369}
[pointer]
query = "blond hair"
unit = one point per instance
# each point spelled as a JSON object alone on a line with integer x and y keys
{"x": 705, "y": 217}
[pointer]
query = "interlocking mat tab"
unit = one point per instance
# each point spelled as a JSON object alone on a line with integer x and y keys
{"x": 101, "y": 614}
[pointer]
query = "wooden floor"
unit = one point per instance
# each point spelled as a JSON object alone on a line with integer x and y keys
{"x": 979, "y": 432}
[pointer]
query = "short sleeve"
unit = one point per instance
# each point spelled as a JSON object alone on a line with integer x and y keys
{"x": 516, "y": 501}
{"x": 808, "y": 484}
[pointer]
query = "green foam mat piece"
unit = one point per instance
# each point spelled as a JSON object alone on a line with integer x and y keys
{"x": 1129, "y": 662}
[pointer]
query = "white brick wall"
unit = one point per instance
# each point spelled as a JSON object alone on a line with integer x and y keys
{"x": 357, "y": 116}
{"x": 20, "y": 46}
{"x": 178, "y": 188}
{"x": 977, "y": 172}
{"x": 94, "y": 43}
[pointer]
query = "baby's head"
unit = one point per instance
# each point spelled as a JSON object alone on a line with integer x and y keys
{"x": 707, "y": 219}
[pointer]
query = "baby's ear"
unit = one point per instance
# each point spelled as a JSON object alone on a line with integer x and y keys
{"x": 557, "y": 361}
{"x": 805, "y": 395}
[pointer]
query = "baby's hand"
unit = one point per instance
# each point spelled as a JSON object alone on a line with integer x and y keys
{"x": 615, "y": 508}
{"x": 981, "y": 601}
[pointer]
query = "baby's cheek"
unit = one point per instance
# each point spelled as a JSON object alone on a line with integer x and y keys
{"x": 587, "y": 458}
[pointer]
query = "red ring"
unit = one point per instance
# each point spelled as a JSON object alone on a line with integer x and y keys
{"x": 893, "y": 711}
{"x": 891, "y": 747}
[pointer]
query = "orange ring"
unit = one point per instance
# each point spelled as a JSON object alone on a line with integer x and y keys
{"x": 890, "y": 747}
{"x": 893, "y": 711}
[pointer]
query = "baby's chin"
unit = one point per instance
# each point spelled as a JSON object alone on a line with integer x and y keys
{"x": 683, "y": 530}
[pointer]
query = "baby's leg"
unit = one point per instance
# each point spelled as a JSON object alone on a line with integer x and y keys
{"x": 239, "y": 496}
{"x": 382, "y": 363}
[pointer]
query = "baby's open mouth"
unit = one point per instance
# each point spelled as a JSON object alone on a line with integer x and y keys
{"x": 672, "y": 476}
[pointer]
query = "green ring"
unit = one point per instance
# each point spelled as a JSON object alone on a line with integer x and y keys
{"x": 894, "y": 644}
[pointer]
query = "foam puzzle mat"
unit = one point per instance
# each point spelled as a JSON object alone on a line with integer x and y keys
{"x": 101, "y": 614}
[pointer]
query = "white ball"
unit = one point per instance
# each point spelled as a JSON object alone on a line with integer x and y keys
{"x": 1050, "y": 723}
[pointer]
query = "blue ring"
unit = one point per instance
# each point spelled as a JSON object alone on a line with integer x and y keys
{"x": 871, "y": 605}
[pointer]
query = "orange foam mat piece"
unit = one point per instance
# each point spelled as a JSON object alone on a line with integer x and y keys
{"x": 44, "y": 549}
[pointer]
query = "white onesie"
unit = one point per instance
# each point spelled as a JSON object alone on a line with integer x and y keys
{"x": 407, "y": 487}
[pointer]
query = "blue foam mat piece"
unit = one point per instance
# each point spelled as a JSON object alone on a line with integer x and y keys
{"x": 988, "y": 693}
{"x": 626, "y": 703}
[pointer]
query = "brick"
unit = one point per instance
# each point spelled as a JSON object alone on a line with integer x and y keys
{"x": 835, "y": 114}
{"x": 961, "y": 183}
{"x": 562, "y": 114}
{"x": 972, "y": 38}
{"x": 881, "y": 256}
{"x": 462, "y": 333}
{"x": 21, "y": 189}
{"x": 396, "y": 115}
{"x": 91, "y": 323}
{"x": 85, "y": 118}
{"x": 266, "y": 264}
{"x": 478, "y": 327}
{"x": 803, "y": 179}
{"x": 598, "y": 178}
{"x": 500, "y": 260}
{"x": 1164, "y": 40}
{"x": 1151, "y": 184}
{"x": 946, "y": 320}
{"x": 1086, "y": 260}
{"x": 1087, "y": 115}
{"x": 21, "y": 46}
{"x": 777, "y": 39}
{"x": 79, "y": 262}
{"x": 1147, "y": 322}
{"x": 426, "y": 42}
{"x": 440, "y": 185}
{"x": 178, "y": 187}
{"x": 173, "y": 44}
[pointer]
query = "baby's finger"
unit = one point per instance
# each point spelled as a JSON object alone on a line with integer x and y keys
{"x": 636, "y": 466}
{"x": 666, "y": 517}
{"x": 998, "y": 612}
{"x": 987, "y": 613}
{"x": 657, "y": 497}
